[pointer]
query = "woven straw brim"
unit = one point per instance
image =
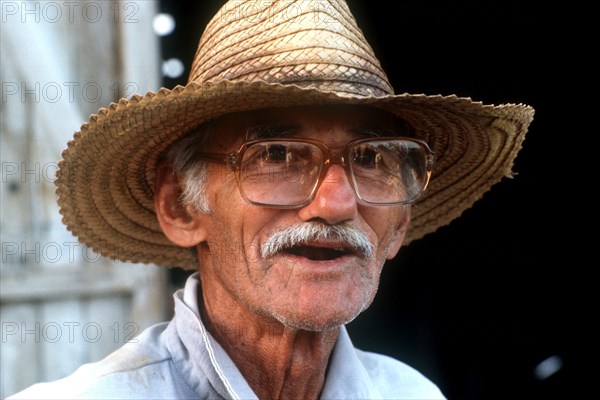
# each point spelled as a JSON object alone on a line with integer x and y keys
{"x": 107, "y": 176}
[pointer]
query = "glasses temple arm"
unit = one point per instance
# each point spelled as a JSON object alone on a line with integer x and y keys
{"x": 229, "y": 159}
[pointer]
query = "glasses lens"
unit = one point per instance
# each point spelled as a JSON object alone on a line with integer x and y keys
{"x": 388, "y": 171}
{"x": 280, "y": 173}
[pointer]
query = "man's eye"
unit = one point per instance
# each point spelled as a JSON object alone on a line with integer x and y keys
{"x": 274, "y": 153}
{"x": 366, "y": 158}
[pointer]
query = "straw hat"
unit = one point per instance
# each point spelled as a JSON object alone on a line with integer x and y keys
{"x": 261, "y": 54}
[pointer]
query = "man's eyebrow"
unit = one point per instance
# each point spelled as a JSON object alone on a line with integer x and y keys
{"x": 270, "y": 130}
{"x": 370, "y": 132}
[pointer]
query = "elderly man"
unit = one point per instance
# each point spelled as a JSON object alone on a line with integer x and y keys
{"x": 284, "y": 173}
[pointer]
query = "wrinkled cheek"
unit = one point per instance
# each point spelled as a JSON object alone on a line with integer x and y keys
{"x": 249, "y": 262}
{"x": 366, "y": 280}
{"x": 261, "y": 280}
{"x": 370, "y": 283}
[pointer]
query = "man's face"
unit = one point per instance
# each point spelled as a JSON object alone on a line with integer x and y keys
{"x": 315, "y": 286}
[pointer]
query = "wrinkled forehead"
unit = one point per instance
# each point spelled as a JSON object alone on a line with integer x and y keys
{"x": 303, "y": 122}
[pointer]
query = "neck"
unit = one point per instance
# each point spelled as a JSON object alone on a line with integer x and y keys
{"x": 278, "y": 362}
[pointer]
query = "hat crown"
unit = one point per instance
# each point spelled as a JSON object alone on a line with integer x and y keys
{"x": 311, "y": 44}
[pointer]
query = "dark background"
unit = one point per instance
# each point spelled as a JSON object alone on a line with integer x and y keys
{"x": 478, "y": 304}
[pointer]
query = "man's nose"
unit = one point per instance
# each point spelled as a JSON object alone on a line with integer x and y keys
{"x": 335, "y": 200}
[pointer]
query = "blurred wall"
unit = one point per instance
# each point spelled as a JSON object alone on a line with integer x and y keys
{"x": 62, "y": 305}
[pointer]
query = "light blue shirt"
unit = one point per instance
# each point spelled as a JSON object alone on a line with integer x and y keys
{"x": 181, "y": 360}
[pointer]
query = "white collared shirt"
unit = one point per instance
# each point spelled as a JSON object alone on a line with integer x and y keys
{"x": 181, "y": 360}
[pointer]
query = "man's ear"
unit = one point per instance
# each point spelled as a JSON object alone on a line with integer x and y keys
{"x": 182, "y": 225}
{"x": 399, "y": 234}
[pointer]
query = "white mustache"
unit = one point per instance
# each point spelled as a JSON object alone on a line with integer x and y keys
{"x": 302, "y": 233}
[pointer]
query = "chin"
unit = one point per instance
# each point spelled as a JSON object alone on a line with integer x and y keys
{"x": 318, "y": 306}
{"x": 312, "y": 324}
{"x": 319, "y": 318}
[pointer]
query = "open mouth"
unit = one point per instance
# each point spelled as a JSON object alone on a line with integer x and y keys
{"x": 315, "y": 253}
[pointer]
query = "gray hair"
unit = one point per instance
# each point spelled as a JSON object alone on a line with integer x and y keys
{"x": 193, "y": 171}
{"x": 306, "y": 232}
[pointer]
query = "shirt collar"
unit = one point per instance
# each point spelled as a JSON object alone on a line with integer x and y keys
{"x": 197, "y": 354}
{"x": 346, "y": 376}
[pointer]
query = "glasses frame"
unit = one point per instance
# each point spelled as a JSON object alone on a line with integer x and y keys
{"x": 330, "y": 157}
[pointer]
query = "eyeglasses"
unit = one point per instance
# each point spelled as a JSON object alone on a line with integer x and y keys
{"x": 287, "y": 173}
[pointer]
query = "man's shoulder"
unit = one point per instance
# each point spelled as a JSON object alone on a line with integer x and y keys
{"x": 135, "y": 370}
{"x": 407, "y": 381}
{"x": 92, "y": 381}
